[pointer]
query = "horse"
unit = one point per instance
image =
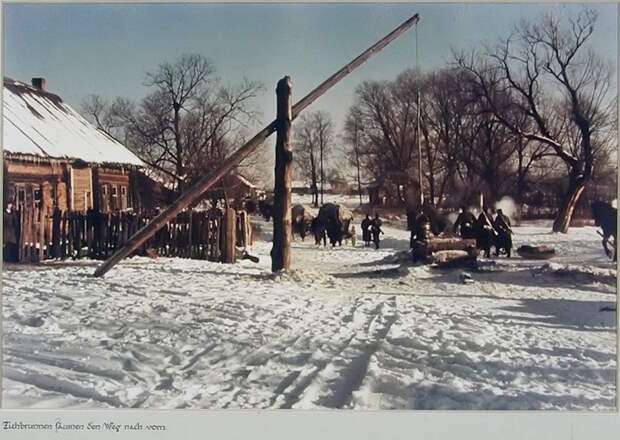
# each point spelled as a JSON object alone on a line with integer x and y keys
{"x": 606, "y": 216}
{"x": 318, "y": 230}
{"x": 266, "y": 209}
{"x": 301, "y": 220}
{"x": 335, "y": 220}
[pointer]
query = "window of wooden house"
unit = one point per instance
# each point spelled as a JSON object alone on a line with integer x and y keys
{"x": 37, "y": 197}
{"x": 123, "y": 197}
{"x": 114, "y": 204}
{"x": 104, "y": 198}
{"x": 21, "y": 198}
{"x": 87, "y": 203}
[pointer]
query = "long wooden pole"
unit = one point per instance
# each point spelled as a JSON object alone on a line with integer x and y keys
{"x": 281, "y": 251}
{"x": 202, "y": 185}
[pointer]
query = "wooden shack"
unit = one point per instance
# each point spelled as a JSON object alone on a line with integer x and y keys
{"x": 53, "y": 158}
{"x": 236, "y": 188}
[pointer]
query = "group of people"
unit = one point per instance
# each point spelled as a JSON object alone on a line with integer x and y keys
{"x": 371, "y": 230}
{"x": 487, "y": 231}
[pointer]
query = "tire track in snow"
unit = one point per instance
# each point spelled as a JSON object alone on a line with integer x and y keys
{"x": 67, "y": 364}
{"x": 301, "y": 377}
{"x": 51, "y": 383}
{"x": 333, "y": 386}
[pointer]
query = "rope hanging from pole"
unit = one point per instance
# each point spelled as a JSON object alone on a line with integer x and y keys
{"x": 417, "y": 66}
{"x": 421, "y": 197}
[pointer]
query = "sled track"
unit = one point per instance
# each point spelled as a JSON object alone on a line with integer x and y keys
{"x": 332, "y": 382}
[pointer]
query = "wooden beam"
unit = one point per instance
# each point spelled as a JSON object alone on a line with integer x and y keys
{"x": 195, "y": 191}
{"x": 336, "y": 77}
{"x": 281, "y": 251}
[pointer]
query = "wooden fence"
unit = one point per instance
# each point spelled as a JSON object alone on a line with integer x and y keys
{"x": 31, "y": 236}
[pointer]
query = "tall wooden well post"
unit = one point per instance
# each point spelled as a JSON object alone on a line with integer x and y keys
{"x": 204, "y": 183}
{"x": 281, "y": 251}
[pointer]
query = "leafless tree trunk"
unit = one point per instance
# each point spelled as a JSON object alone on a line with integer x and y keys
{"x": 353, "y": 137}
{"x": 313, "y": 135}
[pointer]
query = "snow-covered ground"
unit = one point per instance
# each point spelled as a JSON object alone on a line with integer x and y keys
{"x": 346, "y": 328}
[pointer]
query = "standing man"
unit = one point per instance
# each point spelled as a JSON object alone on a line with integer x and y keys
{"x": 485, "y": 234}
{"x": 465, "y": 223}
{"x": 10, "y": 228}
{"x": 375, "y": 229}
{"x": 366, "y": 223}
{"x": 504, "y": 240}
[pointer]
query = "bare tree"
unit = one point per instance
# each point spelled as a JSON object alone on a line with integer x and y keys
{"x": 387, "y": 111}
{"x": 353, "y": 138}
{"x": 107, "y": 116}
{"x": 313, "y": 134}
{"x": 443, "y": 114}
{"x": 562, "y": 89}
{"x": 186, "y": 125}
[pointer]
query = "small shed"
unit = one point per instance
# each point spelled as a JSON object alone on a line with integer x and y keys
{"x": 235, "y": 187}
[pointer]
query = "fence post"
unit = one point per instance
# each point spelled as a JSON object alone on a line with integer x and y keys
{"x": 281, "y": 251}
{"x": 190, "y": 242}
{"x": 20, "y": 239}
{"x": 41, "y": 234}
{"x": 56, "y": 233}
{"x": 34, "y": 237}
{"x": 230, "y": 227}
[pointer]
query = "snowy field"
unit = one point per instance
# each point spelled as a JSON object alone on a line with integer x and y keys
{"x": 347, "y": 328}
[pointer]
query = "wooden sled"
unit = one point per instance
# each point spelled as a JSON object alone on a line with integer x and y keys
{"x": 536, "y": 252}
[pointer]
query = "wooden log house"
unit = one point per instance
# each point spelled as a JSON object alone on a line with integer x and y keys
{"x": 54, "y": 158}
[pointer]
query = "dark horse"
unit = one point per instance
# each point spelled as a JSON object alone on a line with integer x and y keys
{"x": 606, "y": 216}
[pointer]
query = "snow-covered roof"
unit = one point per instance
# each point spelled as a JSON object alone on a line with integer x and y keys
{"x": 36, "y": 122}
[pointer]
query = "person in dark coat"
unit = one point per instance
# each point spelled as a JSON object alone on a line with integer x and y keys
{"x": 411, "y": 224}
{"x": 464, "y": 223}
{"x": 422, "y": 229}
{"x": 377, "y": 220}
{"x": 485, "y": 234}
{"x": 366, "y": 235}
{"x": 375, "y": 230}
{"x": 502, "y": 221}
{"x": 438, "y": 222}
{"x": 503, "y": 241}
{"x": 10, "y": 234}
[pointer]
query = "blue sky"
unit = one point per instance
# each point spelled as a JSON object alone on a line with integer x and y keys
{"x": 108, "y": 48}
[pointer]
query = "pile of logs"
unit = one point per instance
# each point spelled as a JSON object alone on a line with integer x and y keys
{"x": 445, "y": 250}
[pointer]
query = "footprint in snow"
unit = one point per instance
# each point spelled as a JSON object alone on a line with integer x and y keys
{"x": 129, "y": 365}
{"x": 173, "y": 360}
{"x": 33, "y": 321}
